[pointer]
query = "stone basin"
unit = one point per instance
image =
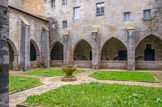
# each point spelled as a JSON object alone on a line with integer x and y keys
{"x": 69, "y": 69}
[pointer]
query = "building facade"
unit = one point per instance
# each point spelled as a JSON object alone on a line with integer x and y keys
{"x": 124, "y": 34}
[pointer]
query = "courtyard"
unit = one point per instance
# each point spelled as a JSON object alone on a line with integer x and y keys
{"x": 89, "y": 90}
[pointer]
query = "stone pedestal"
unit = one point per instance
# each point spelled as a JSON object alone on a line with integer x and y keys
{"x": 4, "y": 54}
{"x": 131, "y": 46}
{"x": 69, "y": 69}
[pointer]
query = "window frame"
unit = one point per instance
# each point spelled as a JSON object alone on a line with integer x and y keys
{"x": 52, "y": 3}
{"x": 74, "y": 15}
{"x": 64, "y": 2}
{"x": 100, "y": 9}
{"x": 63, "y": 23}
{"x": 127, "y": 13}
{"x": 144, "y": 14}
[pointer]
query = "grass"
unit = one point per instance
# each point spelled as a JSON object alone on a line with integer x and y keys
{"x": 51, "y": 72}
{"x": 96, "y": 94}
{"x": 19, "y": 83}
{"x": 118, "y": 75}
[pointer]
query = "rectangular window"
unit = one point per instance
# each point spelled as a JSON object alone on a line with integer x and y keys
{"x": 64, "y": 2}
{"x": 127, "y": 16}
{"x": 99, "y": 9}
{"x": 147, "y": 14}
{"x": 76, "y": 12}
{"x": 64, "y": 24}
{"x": 52, "y": 3}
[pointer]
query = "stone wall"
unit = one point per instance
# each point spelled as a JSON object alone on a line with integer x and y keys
{"x": 20, "y": 39}
{"x": 4, "y": 54}
{"x": 36, "y": 7}
{"x": 17, "y": 4}
{"x": 111, "y": 24}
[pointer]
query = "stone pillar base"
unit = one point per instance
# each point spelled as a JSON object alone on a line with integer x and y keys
{"x": 69, "y": 78}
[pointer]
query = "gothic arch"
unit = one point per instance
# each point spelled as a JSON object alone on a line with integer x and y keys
{"x": 13, "y": 55}
{"x": 82, "y": 50}
{"x": 149, "y": 49}
{"x": 57, "y": 51}
{"x": 114, "y": 49}
{"x": 34, "y": 51}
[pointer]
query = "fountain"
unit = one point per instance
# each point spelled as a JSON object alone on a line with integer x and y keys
{"x": 69, "y": 69}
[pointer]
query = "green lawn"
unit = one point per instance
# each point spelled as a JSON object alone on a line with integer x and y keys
{"x": 51, "y": 72}
{"x": 18, "y": 83}
{"x": 119, "y": 75}
{"x": 96, "y": 94}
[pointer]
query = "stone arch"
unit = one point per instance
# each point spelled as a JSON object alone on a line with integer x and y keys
{"x": 34, "y": 51}
{"x": 13, "y": 55}
{"x": 57, "y": 51}
{"x": 114, "y": 49}
{"x": 149, "y": 49}
{"x": 82, "y": 50}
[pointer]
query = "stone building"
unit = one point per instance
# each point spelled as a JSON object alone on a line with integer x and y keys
{"x": 29, "y": 35}
{"x": 89, "y": 33}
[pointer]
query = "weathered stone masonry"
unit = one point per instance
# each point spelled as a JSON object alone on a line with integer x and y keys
{"x": 4, "y": 54}
{"x": 29, "y": 38}
{"x": 34, "y": 42}
{"x": 117, "y": 47}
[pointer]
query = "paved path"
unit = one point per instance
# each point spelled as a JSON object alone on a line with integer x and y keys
{"x": 51, "y": 83}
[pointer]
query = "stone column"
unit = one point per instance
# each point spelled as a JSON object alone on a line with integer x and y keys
{"x": 45, "y": 53}
{"x": 4, "y": 54}
{"x": 95, "y": 49}
{"x": 131, "y": 46}
{"x": 25, "y": 47}
{"x": 66, "y": 49}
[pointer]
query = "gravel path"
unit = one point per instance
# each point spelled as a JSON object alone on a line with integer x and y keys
{"x": 51, "y": 83}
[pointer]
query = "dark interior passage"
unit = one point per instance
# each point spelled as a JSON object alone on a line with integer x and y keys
{"x": 33, "y": 53}
{"x": 114, "y": 49}
{"x": 149, "y": 49}
{"x": 83, "y": 51}
{"x": 11, "y": 56}
{"x": 57, "y": 52}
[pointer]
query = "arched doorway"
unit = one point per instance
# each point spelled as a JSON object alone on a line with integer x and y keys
{"x": 114, "y": 54}
{"x": 56, "y": 54}
{"x": 149, "y": 53}
{"x": 34, "y": 54}
{"x": 13, "y": 56}
{"x": 82, "y": 54}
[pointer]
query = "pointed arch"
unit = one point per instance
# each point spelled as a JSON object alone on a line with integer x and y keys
{"x": 57, "y": 51}
{"x": 13, "y": 46}
{"x": 13, "y": 55}
{"x": 34, "y": 51}
{"x": 114, "y": 49}
{"x": 149, "y": 49}
{"x": 82, "y": 50}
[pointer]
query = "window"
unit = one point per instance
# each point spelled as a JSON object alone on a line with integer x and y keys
{"x": 52, "y": 3}
{"x": 64, "y": 2}
{"x": 76, "y": 12}
{"x": 99, "y": 9}
{"x": 64, "y": 24}
{"x": 127, "y": 16}
{"x": 147, "y": 14}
